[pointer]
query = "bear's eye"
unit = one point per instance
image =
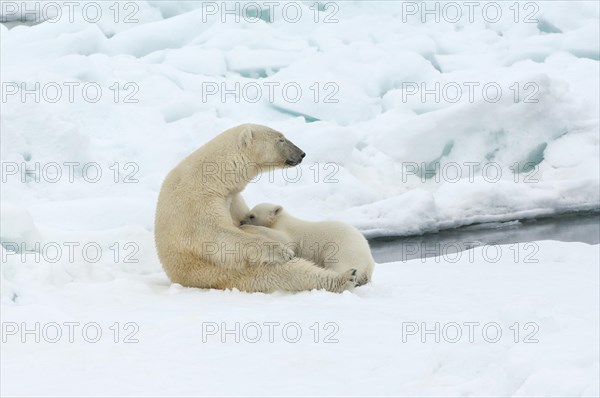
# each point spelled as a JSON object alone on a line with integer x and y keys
{"x": 282, "y": 140}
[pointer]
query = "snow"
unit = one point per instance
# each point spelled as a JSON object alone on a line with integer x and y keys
{"x": 549, "y": 288}
{"x": 404, "y": 134}
{"x": 384, "y": 101}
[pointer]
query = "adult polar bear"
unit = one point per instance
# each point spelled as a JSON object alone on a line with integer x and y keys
{"x": 197, "y": 225}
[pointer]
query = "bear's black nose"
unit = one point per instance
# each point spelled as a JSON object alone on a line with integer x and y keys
{"x": 303, "y": 155}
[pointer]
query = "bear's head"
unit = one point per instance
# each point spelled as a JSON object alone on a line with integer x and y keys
{"x": 263, "y": 215}
{"x": 267, "y": 147}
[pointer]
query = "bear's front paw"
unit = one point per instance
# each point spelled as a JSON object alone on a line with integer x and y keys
{"x": 288, "y": 254}
{"x": 281, "y": 254}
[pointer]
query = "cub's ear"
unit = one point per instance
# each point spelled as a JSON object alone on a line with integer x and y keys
{"x": 277, "y": 210}
{"x": 246, "y": 137}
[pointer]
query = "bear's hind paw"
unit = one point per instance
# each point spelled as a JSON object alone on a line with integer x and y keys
{"x": 350, "y": 279}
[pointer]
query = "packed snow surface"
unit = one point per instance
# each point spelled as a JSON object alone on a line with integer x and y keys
{"x": 413, "y": 121}
{"x": 511, "y": 320}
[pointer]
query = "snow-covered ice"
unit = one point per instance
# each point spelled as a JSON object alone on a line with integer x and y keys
{"x": 409, "y": 126}
{"x": 383, "y": 104}
{"x": 510, "y": 328}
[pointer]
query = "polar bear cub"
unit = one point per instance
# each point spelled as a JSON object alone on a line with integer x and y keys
{"x": 330, "y": 244}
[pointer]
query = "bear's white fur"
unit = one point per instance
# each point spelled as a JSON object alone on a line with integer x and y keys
{"x": 333, "y": 245}
{"x": 197, "y": 226}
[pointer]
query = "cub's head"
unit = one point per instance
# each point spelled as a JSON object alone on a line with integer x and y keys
{"x": 264, "y": 215}
{"x": 265, "y": 146}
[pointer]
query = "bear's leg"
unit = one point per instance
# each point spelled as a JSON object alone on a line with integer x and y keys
{"x": 295, "y": 275}
{"x": 234, "y": 248}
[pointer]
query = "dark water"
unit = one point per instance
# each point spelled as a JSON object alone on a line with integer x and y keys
{"x": 577, "y": 227}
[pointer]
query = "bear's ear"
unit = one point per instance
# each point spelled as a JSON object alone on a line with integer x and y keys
{"x": 277, "y": 210}
{"x": 246, "y": 137}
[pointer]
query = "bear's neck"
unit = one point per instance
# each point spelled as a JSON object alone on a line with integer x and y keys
{"x": 286, "y": 222}
{"x": 224, "y": 177}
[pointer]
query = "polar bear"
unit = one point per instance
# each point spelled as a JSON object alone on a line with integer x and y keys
{"x": 197, "y": 226}
{"x": 333, "y": 245}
